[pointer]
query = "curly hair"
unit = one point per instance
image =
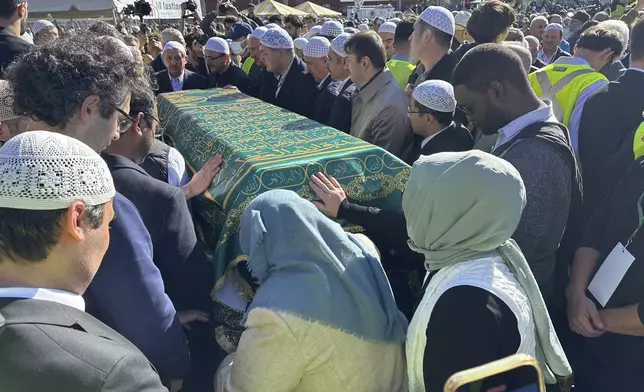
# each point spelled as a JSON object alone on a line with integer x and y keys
{"x": 52, "y": 81}
{"x": 101, "y": 28}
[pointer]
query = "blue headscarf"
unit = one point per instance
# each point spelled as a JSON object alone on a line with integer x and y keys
{"x": 308, "y": 266}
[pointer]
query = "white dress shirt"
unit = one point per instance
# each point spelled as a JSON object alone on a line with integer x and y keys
{"x": 62, "y": 297}
{"x": 508, "y": 132}
{"x": 177, "y": 83}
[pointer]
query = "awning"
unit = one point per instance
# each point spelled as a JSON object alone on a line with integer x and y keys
{"x": 317, "y": 10}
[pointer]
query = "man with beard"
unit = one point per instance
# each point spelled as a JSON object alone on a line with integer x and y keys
{"x": 13, "y": 19}
{"x": 492, "y": 87}
{"x": 223, "y": 72}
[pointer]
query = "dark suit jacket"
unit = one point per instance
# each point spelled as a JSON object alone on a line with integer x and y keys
{"x": 158, "y": 65}
{"x": 340, "y": 115}
{"x": 324, "y": 101}
{"x": 234, "y": 76}
{"x": 298, "y": 92}
{"x": 47, "y": 346}
{"x": 538, "y": 63}
{"x": 608, "y": 123}
{"x": 11, "y": 46}
{"x": 453, "y": 139}
{"x": 559, "y": 53}
{"x": 191, "y": 81}
{"x": 163, "y": 207}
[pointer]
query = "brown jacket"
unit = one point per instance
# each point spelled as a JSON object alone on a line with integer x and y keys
{"x": 380, "y": 115}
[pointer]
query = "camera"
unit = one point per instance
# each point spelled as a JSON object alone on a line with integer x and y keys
{"x": 140, "y": 8}
{"x": 225, "y": 7}
{"x": 191, "y": 5}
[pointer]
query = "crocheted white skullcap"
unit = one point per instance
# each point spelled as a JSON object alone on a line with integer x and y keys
{"x": 387, "y": 27}
{"x": 338, "y": 44}
{"x": 317, "y": 47}
{"x": 300, "y": 43}
{"x": 331, "y": 28}
{"x": 174, "y": 45}
{"x": 272, "y": 26}
{"x": 315, "y": 30}
{"x": 461, "y": 18}
{"x": 6, "y": 101}
{"x": 439, "y": 18}
{"x": 258, "y": 33}
{"x": 47, "y": 171}
{"x": 435, "y": 94}
{"x": 553, "y": 26}
{"x": 277, "y": 39}
{"x": 218, "y": 45}
{"x": 363, "y": 27}
{"x": 41, "y": 25}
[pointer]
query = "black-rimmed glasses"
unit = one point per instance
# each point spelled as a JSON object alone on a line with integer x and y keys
{"x": 126, "y": 123}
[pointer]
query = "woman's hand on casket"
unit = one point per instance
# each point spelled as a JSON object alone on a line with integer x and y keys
{"x": 330, "y": 192}
{"x": 202, "y": 179}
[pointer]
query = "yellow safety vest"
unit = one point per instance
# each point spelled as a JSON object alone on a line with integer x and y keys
{"x": 401, "y": 70}
{"x": 247, "y": 64}
{"x": 638, "y": 144}
{"x": 561, "y": 84}
{"x": 619, "y": 11}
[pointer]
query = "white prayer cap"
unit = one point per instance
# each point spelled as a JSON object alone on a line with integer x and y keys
{"x": 218, "y": 45}
{"x": 175, "y": 45}
{"x": 277, "y": 39}
{"x": 436, "y": 95}
{"x": 461, "y": 19}
{"x": 337, "y": 45}
{"x": 554, "y": 26}
{"x": 258, "y": 33}
{"x": 439, "y": 18}
{"x": 350, "y": 30}
{"x": 315, "y": 30}
{"x": 395, "y": 20}
{"x": 387, "y": 27}
{"x": 272, "y": 26}
{"x": 300, "y": 43}
{"x": 48, "y": 171}
{"x": 6, "y": 101}
{"x": 41, "y": 25}
{"x": 331, "y": 28}
{"x": 317, "y": 47}
{"x": 363, "y": 27}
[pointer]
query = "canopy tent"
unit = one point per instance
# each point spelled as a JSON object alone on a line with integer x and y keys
{"x": 76, "y": 9}
{"x": 317, "y": 10}
{"x": 272, "y": 7}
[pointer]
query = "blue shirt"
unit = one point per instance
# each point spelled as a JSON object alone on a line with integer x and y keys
{"x": 564, "y": 45}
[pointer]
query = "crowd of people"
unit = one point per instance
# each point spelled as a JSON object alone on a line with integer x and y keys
{"x": 518, "y": 230}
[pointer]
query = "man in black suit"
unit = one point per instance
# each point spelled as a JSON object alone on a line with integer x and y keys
{"x": 176, "y": 77}
{"x": 608, "y": 123}
{"x": 286, "y": 83}
{"x": 53, "y": 246}
{"x": 223, "y": 72}
{"x": 340, "y": 114}
{"x": 432, "y": 108}
{"x": 316, "y": 56}
{"x": 13, "y": 19}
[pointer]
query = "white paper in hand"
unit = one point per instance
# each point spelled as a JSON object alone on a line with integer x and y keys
{"x": 610, "y": 274}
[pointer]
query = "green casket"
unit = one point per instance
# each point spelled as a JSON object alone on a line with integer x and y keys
{"x": 265, "y": 147}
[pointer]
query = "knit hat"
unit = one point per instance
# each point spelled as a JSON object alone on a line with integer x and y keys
{"x": 41, "y": 25}
{"x": 439, "y": 18}
{"x": 6, "y": 101}
{"x": 300, "y": 43}
{"x": 273, "y": 26}
{"x": 277, "y": 39}
{"x": 258, "y": 33}
{"x": 331, "y": 28}
{"x": 461, "y": 19}
{"x": 436, "y": 95}
{"x": 47, "y": 171}
{"x": 387, "y": 27}
{"x": 363, "y": 27}
{"x": 175, "y": 45}
{"x": 337, "y": 45}
{"x": 315, "y": 30}
{"x": 317, "y": 47}
{"x": 554, "y": 26}
{"x": 218, "y": 45}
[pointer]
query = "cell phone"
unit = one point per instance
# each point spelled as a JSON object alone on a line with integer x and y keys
{"x": 516, "y": 373}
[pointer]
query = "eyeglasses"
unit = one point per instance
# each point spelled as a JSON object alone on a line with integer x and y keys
{"x": 465, "y": 110}
{"x": 214, "y": 58}
{"x": 127, "y": 122}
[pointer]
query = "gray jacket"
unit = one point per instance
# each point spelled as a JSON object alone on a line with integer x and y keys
{"x": 380, "y": 115}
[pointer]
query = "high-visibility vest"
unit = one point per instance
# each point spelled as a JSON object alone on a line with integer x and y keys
{"x": 401, "y": 70}
{"x": 619, "y": 11}
{"x": 638, "y": 144}
{"x": 562, "y": 84}
{"x": 247, "y": 64}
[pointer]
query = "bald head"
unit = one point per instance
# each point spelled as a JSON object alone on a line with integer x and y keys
{"x": 522, "y": 52}
{"x": 533, "y": 44}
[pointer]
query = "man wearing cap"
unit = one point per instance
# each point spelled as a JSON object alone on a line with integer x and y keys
{"x": 340, "y": 115}
{"x": 576, "y": 26}
{"x": 387, "y": 31}
{"x": 290, "y": 86}
{"x": 331, "y": 29}
{"x": 460, "y": 29}
{"x": 239, "y": 33}
{"x": 176, "y": 77}
{"x": 316, "y": 57}
{"x": 430, "y": 44}
{"x": 380, "y": 106}
{"x": 54, "y": 234}
{"x": 399, "y": 64}
{"x": 13, "y": 23}
{"x": 431, "y": 111}
{"x": 253, "y": 65}
{"x": 223, "y": 72}
{"x": 44, "y": 32}
{"x": 550, "y": 50}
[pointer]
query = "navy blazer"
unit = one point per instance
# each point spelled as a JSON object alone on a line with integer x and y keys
{"x": 454, "y": 138}
{"x": 340, "y": 115}
{"x": 324, "y": 101}
{"x": 298, "y": 93}
{"x": 191, "y": 81}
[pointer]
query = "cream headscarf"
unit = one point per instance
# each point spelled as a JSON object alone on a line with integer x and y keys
{"x": 465, "y": 206}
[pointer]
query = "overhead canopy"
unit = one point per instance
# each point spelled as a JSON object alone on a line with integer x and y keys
{"x": 272, "y": 7}
{"x": 66, "y": 9}
{"x": 317, "y": 10}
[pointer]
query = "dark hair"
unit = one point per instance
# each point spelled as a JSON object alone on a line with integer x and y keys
{"x": 589, "y": 24}
{"x": 404, "y": 30}
{"x": 367, "y": 44}
{"x": 52, "y": 81}
{"x": 277, "y": 19}
{"x": 489, "y": 62}
{"x": 295, "y": 20}
{"x": 29, "y": 235}
{"x": 310, "y": 18}
{"x": 489, "y": 21}
{"x": 196, "y": 36}
{"x": 515, "y": 35}
{"x": 142, "y": 101}
{"x": 637, "y": 40}
{"x": 581, "y": 16}
{"x": 230, "y": 19}
{"x": 443, "y": 39}
{"x": 9, "y": 7}
{"x": 599, "y": 38}
{"x": 101, "y": 28}
{"x": 443, "y": 118}
{"x": 130, "y": 40}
